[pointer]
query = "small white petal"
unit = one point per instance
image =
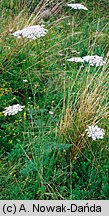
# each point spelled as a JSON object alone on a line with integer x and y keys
{"x": 77, "y": 6}
{"x": 25, "y": 81}
{"x": 51, "y": 113}
{"x": 75, "y": 59}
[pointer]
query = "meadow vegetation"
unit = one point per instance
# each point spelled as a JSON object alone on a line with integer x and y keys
{"x": 45, "y": 151}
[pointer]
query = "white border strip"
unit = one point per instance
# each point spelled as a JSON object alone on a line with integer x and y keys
{"x": 56, "y": 207}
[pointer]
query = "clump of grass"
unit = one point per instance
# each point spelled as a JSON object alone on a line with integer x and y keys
{"x": 90, "y": 107}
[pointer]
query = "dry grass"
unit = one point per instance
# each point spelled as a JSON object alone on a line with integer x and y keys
{"x": 91, "y": 107}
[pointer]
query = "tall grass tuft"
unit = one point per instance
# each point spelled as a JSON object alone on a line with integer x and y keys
{"x": 90, "y": 107}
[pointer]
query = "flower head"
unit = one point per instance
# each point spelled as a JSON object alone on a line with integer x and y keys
{"x": 94, "y": 60}
{"x": 12, "y": 110}
{"x": 31, "y": 32}
{"x": 77, "y": 6}
{"x": 95, "y": 132}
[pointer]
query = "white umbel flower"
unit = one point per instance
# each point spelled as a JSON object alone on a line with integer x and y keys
{"x": 94, "y": 60}
{"x": 12, "y": 110}
{"x": 75, "y": 59}
{"x": 95, "y": 132}
{"x": 31, "y": 32}
{"x": 77, "y": 6}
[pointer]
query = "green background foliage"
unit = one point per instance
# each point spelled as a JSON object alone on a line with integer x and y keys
{"x": 36, "y": 152}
